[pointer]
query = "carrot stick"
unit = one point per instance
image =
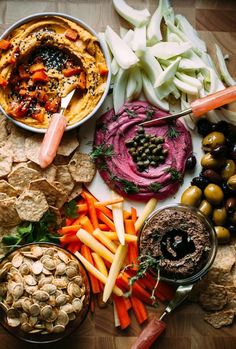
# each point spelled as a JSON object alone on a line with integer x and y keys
{"x": 86, "y": 253}
{"x": 122, "y": 312}
{"x": 128, "y": 303}
{"x": 86, "y": 224}
{"x": 74, "y": 247}
{"x": 82, "y": 208}
{"x": 133, "y": 253}
{"x": 70, "y": 228}
{"x": 126, "y": 214}
{"x": 129, "y": 227}
{"x": 106, "y": 211}
{"x": 92, "y": 211}
{"x": 133, "y": 214}
{"x": 106, "y": 220}
{"x": 68, "y": 238}
{"x": 69, "y": 221}
{"x": 103, "y": 226}
{"x": 92, "y": 306}
{"x": 139, "y": 309}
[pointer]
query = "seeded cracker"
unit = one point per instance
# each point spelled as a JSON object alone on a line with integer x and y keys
{"x": 31, "y": 205}
{"x": 50, "y": 191}
{"x": 3, "y": 129}
{"x": 75, "y": 192}
{"x": 225, "y": 258}
{"x": 21, "y": 177}
{"x": 5, "y": 161}
{"x": 16, "y": 141}
{"x": 64, "y": 177}
{"x": 82, "y": 168}
{"x": 68, "y": 144}
{"x": 7, "y": 188}
{"x": 220, "y": 318}
{"x": 32, "y": 147}
{"x": 214, "y": 297}
{"x": 49, "y": 173}
{"x": 8, "y": 214}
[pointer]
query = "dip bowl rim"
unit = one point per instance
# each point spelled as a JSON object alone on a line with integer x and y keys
{"x": 103, "y": 47}
{"x": 58, "y": 336}
{"x": 213, "y": 239}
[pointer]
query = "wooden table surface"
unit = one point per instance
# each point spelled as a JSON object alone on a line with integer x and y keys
{"x": 216, "y": 21}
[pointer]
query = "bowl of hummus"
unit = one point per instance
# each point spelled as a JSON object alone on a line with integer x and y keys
{"x": 180, "y": 243}
{"x": 43, "y": 58}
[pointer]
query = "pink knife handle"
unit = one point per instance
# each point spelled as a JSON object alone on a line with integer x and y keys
{"x": 52, "y": 139}
{"x": 149, "y": 334}
{"x": 203, "y": 105}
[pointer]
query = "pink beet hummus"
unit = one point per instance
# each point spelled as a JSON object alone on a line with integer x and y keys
{"x": 116, "y": 165}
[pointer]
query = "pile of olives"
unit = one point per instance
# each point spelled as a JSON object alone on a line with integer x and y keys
{"x": 147, "y": 150}
{"x": 214, "y": 190}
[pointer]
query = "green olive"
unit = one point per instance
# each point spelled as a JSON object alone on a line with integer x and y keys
{"x": 228, "y": 170}
{"x": 214, "y": 194}
{"x": 208, "y": 161}
{"x": 233, "y": 218}
{"x": 219, "y": 216}
{"x": 191, "y": 196}
{"x": 223, "y": 234}
{"x": 232, "y": 182}
{"x": 206, "y": 208}
{"x": 212, "y": 140}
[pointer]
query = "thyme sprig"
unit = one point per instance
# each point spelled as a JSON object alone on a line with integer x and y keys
{"x": 128, "y": 187}
{"x": 101, "y": 151}
{"x": 172, "y": 132}
{"x": 155, "y": 187}
{"x": 175, "y": 174}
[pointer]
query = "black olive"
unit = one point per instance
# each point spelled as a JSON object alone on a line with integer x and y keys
{"x": 165, "y": 151}
{"x": 227, "y": 191}
{"x": 200, "y": 182}
{"x": 212, "y": 176}
{"x": 204, "y": 127}
{"x": 231, "y": 136}
{"x": 191, "y": 163}
{"x": 230, "y": 205}
{"x": 232, "y": 229}
{"x": 220, "y": 152}
{"x": 222, "y": 126}
{"x": 233, "y": 152}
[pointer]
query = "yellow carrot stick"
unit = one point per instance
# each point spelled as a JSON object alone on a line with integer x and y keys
{"x": 114, "y": 271}
{"x": 104, "y": 240}
{"x": 100, "y": 263}
{"x": 118, "y": 218}
{"x": 97, "y": 274}
{"x": 95, "y": 245}
{"x": 113, "y": 236}
{"x": 149, "y": 207}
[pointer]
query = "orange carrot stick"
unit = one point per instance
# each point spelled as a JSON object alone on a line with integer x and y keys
{"x": 86, "y": 224}
{"x": 126, "y": 214}
{"x": 133, "y": 214}
{"x": 86, "y": 253}
{"x": 129, "y": 227}
{"x": 122, "y": 312}
{"x": 69, "y": 221}
{"x": 106, "y": 211}
{"x": 128, "y": 303}
{"x": 106, "y": 220}
{"x": 92, "y": 211}
{"x": 139, "y": 309}
{"x": 103, "y": 226}
{"x": 82, "y": 208}
{"x": 132, "y": 253}
{"x": 68, "y": 238}
{"x": 70, "y": 228}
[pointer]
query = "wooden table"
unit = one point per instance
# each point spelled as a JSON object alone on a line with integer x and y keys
{"x": 215, "y": 19}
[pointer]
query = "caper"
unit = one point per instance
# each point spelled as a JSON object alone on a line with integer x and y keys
{"x": 140, "y": 130}
{"x": 200, "y": 182}
{"x": 191, "y": 162}
{"x": 212, "y": 176}
{"x": 219, "y": 216}
{"x": 147, "y": 151}
{"x": 191, "y": 196}
{"x": 142, "y": 141}
{"x": 220, "y": 151}
{"x": 152, "y": 146}
{"x": 233, "y": 218}
{"x": 208, "y": 161}
{"x": 144, "y": 156}
{"x": 230, "y": 205}
{"x": 146, "y": 145}
{"x": 129, "y": 143}
{"x": 132, "y": 149}
{"x": 140, "y": 163}
{"x": 165, "y": 151}
{"x": 223, "y": 234}
{"x": 206, "y": 208}
{"x": 139, "y": 158}
{"x": 135, "y": 144}
{"x": 232, "y": 182}
{"x": 161, "y": 159}
{"x": 213, "y": 194}
{"x": 155, "y": 150}
{"x": 228, "y": 170}
{"x": 212, "y": 140}
{"x": 153, "y": 163}
{"x": 146, "y": 163}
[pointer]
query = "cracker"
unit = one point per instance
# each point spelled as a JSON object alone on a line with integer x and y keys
{"x": 220, "y": 318}
{"x": 31, "y": 205}
{"x": 57, "y": 214}
{"x": 68, "y": 144}
{"x": 16, "y": 141}
{"x": 82, "y": 168}
{"x": 51, "y": 192}
{"x": 63, "y": 195}
{"x": 49, "y": 173}
{"x": 219, "y": 277}
{"x": 225, "y": 258}
{"x": 21, "y": 177}
{"x": 3, "y": 129}
{"x": 214, "y": 297}
{"x": 32, "y": 147}
{"x": 8, "y": 214}
{"x": 61, "y": 160}
{"x": 7, "y": 188}
{"x": 64, "y": 177}
{"x": 75, "y": 192}
{"x": 3, "y": 196}
{"x": 5, "y": 161}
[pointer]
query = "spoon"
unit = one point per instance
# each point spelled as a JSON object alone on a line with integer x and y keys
{"x": 54, "y": 133}
{"x": 200, "y": 106}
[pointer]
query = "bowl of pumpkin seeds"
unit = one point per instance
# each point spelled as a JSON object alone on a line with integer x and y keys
{"x": 44, "y": 292}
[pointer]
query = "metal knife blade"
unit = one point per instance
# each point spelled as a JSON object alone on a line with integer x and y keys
{"x": 167, "y": 118}
{"x": 66, "y": 100}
